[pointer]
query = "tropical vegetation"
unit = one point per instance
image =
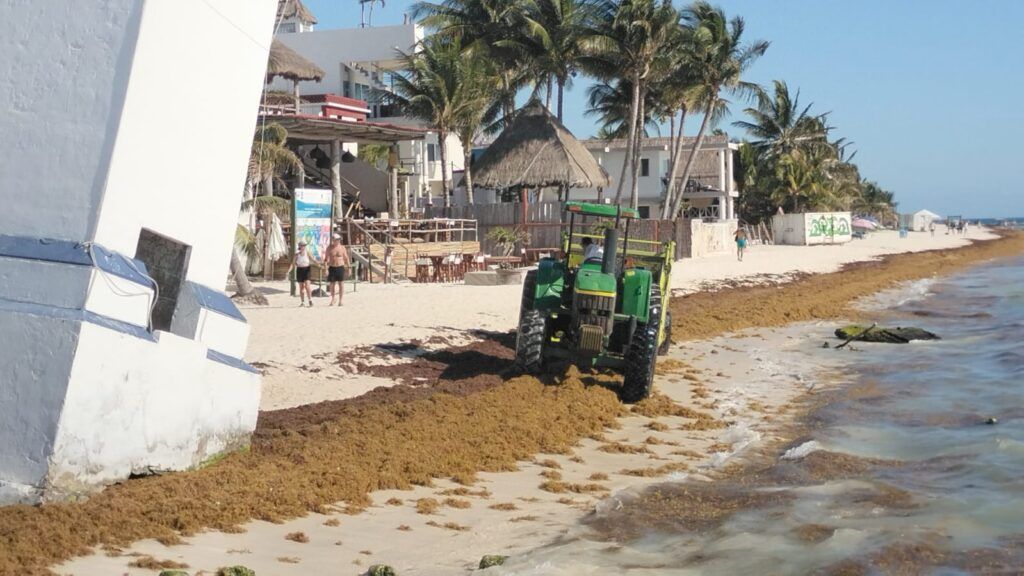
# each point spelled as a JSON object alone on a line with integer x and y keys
{"x": 654, "y": 67}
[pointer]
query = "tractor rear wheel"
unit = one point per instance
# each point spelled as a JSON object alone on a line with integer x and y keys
{"x": 642, "y": 354}
{"x": 531, "y": 331}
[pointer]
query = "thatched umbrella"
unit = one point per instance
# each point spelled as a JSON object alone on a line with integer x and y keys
{"x": 287, "y": 63}
{"x": 537, "y": 151}
{"x": 287, "y": 9}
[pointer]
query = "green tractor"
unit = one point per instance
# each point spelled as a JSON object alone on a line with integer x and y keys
{"x": 609, "y": 310}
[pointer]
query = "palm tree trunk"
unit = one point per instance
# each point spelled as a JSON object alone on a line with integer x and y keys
{"x": 442, "y": 137}
{"x": 633, "y": 110}
{"x": 547, "y": 94}
{"x": 634, "y": 194}
{"x": 245, "y": 289}
{"x": 467, "y": 155}
{"x": 677, "y": 203}
{"x": 677, "y": 149}
{"x": 561, "y": 91}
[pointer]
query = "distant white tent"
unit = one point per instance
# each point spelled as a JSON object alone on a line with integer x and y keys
{"x": 922, "y": 219}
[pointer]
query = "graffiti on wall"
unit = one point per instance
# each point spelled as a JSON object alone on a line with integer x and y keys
{"x": 829, "y": 225}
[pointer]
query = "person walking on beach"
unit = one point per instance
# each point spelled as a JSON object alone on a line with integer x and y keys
{"x": 931, "y": 226}
{"x": 337, "y": 261}
{"x": 741, "y": 243}
{"x": 302, "y": 264}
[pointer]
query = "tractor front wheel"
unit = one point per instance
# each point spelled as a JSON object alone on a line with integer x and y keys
{"x": 642, "y": 354}
{"x": 531, "y": 330}
{"x": 530, "y": 341}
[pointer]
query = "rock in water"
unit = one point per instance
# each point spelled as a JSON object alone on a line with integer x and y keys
{"x": 492, "y": 560}
{"x": 898, "y": 335}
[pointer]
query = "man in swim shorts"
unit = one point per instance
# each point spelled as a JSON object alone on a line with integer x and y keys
{"x": 337, "y": 261}
{"x": 741, "y": 243}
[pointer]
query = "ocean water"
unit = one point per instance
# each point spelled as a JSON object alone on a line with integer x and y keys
{"x": 897, "y": 472}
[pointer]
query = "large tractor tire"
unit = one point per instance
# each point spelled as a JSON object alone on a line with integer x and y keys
{"x": 531, "y": 331}
{"x": 638, "y": 379}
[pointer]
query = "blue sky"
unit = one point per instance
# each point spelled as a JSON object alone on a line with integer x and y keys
{"x": 927, "y": 90}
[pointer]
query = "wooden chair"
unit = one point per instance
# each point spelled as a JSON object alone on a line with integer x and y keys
{"x": 422, "y": 268}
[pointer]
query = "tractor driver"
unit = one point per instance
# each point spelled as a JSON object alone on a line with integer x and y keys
{"x": 591, "y": 249}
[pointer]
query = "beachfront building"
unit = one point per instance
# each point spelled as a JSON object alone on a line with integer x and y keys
{"x": 921, "y": 220}
{"x": 121, "y": 354}
{"x": 358, "y": 64}
{"x": 710, "y": 194}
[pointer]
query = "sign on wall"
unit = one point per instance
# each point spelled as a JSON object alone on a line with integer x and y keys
{"x": 313, "y": 220}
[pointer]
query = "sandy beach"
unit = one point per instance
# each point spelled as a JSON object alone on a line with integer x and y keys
{"x": 716, "y": 398}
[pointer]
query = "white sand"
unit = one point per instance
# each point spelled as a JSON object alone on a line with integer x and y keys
{"x": 751, "y": 379}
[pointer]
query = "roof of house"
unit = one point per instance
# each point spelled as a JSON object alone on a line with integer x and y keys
{"x": 294, "y": 9}
{"x": 307, "y": 128}
{"x": 711, "y": 140}
{"x": 537, "y": 151}
{"x": 287, "y": 63}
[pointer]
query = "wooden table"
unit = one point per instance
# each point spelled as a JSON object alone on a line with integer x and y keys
{"x": 500, "y": 260}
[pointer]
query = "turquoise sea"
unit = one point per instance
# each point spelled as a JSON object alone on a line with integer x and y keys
{"x": 914, "y": 466}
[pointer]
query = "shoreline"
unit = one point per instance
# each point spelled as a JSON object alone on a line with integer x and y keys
{"x": 572, "y": 477}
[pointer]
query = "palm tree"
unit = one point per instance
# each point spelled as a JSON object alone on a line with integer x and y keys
{"x": 721, "y": 60}
{"x": 428, "y": 89}
{"x": 630, "y": 35}
{"x": 611, "y": 103}
{"x": 475, "y": 106}
{"x": 779, "y": 124}
{"x": 554, "y": 31}
{"x": 491, "y": 28}
{"x": 269, "y": 160}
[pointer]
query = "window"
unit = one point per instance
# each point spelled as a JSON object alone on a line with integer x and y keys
{"x": 286, "y": 28}
{"x": 645, "y": 167}
{"x": 166, "y": 261}
{"x": 645, "y": 211}
{"x": 431, "y": 152}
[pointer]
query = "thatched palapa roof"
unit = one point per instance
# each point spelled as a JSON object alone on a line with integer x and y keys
{"x": 537, "y": 151}
{"x": 287, "y": 63}
{"x": 294, "y": 9}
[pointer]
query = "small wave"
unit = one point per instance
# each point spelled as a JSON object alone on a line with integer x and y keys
{"x": 798, "y": 452}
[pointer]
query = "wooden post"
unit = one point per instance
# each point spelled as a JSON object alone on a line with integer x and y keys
{"x": 295, "y": 88}
{"x": 337, "y": 204}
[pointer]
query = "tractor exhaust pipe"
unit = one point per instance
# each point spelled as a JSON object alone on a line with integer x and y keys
{"x": 611, "y": 243}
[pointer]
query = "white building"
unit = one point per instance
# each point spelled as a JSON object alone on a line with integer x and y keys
{"x": 121, "y": 354}
{"x": 712, "y": 193}
{"x": 922, "y": 220}
{"x": 356, "y": 62}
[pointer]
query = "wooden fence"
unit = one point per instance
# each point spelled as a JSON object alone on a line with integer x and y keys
{"x": 546, "y": 223}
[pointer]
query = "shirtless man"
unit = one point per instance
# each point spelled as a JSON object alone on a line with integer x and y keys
{"x": 336, "y": 260}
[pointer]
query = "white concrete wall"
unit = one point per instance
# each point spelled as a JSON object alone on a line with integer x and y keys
{"x": 711, "y": 237}
{"x": 175, "y": 409}
{"x": 187, "y": 182}
{"x": 788, "y": 229}
{"x": 827, "y": 228}
{"x": 330, "y": 49}
{"x": 35, "y": 361}
{"x": 806, "y": 229}
{"x": 64, "y": 76}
